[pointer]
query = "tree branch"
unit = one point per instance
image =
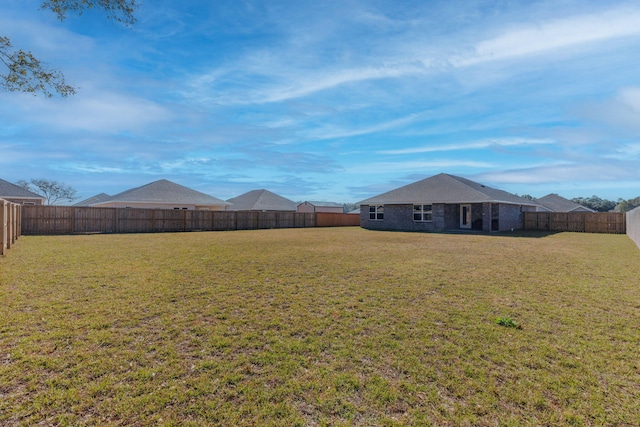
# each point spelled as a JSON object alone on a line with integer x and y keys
{"x": 27, "y": 74}
{"x": 118, "y": 10}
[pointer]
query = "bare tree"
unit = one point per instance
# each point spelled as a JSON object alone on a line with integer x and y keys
{"x": 25, "y": 73}
{"x": 52, "y": 191}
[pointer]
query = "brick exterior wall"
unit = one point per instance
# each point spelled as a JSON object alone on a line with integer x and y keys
{"x": 400, "y": 217}
{"x": 451, "y": 217}
{"x": 511, "y": 216}
{"x": 446, "y": 217}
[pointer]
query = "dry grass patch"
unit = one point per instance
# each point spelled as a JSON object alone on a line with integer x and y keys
{"x": 320, "y": 327}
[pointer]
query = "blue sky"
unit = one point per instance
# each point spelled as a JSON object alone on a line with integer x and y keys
{"x": 332, "y": 100}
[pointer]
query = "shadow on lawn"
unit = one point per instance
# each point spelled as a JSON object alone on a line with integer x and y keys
{"x": 532, "y": 234}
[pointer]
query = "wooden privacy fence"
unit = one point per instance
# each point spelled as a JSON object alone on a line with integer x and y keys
{"x": 327, "y": 219}
{"x": 42, "y": 220}
{"x": 587, "y": 222}
{"x": 10, "y": 224}
{"x": 633, "y": 225}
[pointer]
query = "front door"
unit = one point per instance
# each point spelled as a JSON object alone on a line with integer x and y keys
{"x": 465, "y": 216}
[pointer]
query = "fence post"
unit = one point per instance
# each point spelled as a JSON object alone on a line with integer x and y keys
{"x": 3, "y": 226}
{"x": 19, "y": 222}
{"x": 10, "y": 220}
{"x": 14, "y": 224}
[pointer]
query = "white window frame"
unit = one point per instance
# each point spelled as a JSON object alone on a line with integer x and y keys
{"x": 423, "y": 213}
{"x": 376, "y": 213}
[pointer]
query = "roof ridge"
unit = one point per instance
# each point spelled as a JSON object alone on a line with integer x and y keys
{"x": 462, "y": 179}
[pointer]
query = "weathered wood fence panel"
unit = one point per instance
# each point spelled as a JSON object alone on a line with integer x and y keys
{"x": 587, "y": 222}
{"x": 633, "y": 225}
{"x": 10, "y": 224}
{"x": 327, "y": 219}
{"x": 86, "y": 220}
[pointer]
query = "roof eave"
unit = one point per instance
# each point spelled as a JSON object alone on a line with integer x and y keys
{"x": 448, "y": 202}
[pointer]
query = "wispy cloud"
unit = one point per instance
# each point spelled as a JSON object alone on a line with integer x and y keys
{"x": 562, "y": 172}
{"x": 621, "y": 111}
{"x": 537, "y": 38}
{"x": 93, "y": 168}
{"x": 288, "y": 75}
{"x": 382, "y": 167}
{"x": 474, "y": 145}
{"x": 289, "y": 83}
{"x": 626, "y": 152}
{"x": 98, "y": 111}
{"x": 332, "y": 132}
{"x": 314, "y": 84}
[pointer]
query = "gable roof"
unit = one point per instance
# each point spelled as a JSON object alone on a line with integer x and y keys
{"x": 8, "y": 189}
{"x": 164, "y": 191}
{"x": 445, "y": 188}
{"x": 556, "y": 203}
{"x": 261, "y": 200}
{"x": 322, "y": 204}
{"x": 102, "y": 197}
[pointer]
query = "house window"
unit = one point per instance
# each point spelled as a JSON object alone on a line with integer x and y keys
{"x": 376, "y": 213}
{"x": 422, "y": 212}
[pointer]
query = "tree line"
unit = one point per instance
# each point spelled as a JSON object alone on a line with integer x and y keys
{"x": 604, "y": 205}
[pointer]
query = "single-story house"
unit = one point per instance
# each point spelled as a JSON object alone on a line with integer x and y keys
{"x": 330, "y": 207}
{"x": 162, "y": 194}
{"x": 16, "y": 194}
{"x": 554, "y": 203}
{"x": 261, "y": 200}
{"x": 444, "y": 203}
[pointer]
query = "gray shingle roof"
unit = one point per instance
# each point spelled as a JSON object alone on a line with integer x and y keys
{"x": 102, "y": 197}
{"x": 164, "y": 191}
{"x": 261, "y": 200}
{"x": 445, "y": 188}
{"x": 8, "y": 189}
{"x": 556, "y": 203}
{"x": 323, "y": 204}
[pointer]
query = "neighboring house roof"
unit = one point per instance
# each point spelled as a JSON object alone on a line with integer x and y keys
{"x": 322, "y": 204}
{"x": 102, "y": 197}
{"x": 8, "y": 189}
{"x": 261, "y": 200}
{"x": 556, "y": 203}
{"x": 445, "y": 188}
{"x": 164, "y": 191}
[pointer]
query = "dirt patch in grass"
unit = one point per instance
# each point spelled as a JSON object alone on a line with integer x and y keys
{"x": 320, "y": 327}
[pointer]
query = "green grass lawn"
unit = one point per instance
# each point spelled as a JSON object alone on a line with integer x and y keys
{"x": 316, "y": 327}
